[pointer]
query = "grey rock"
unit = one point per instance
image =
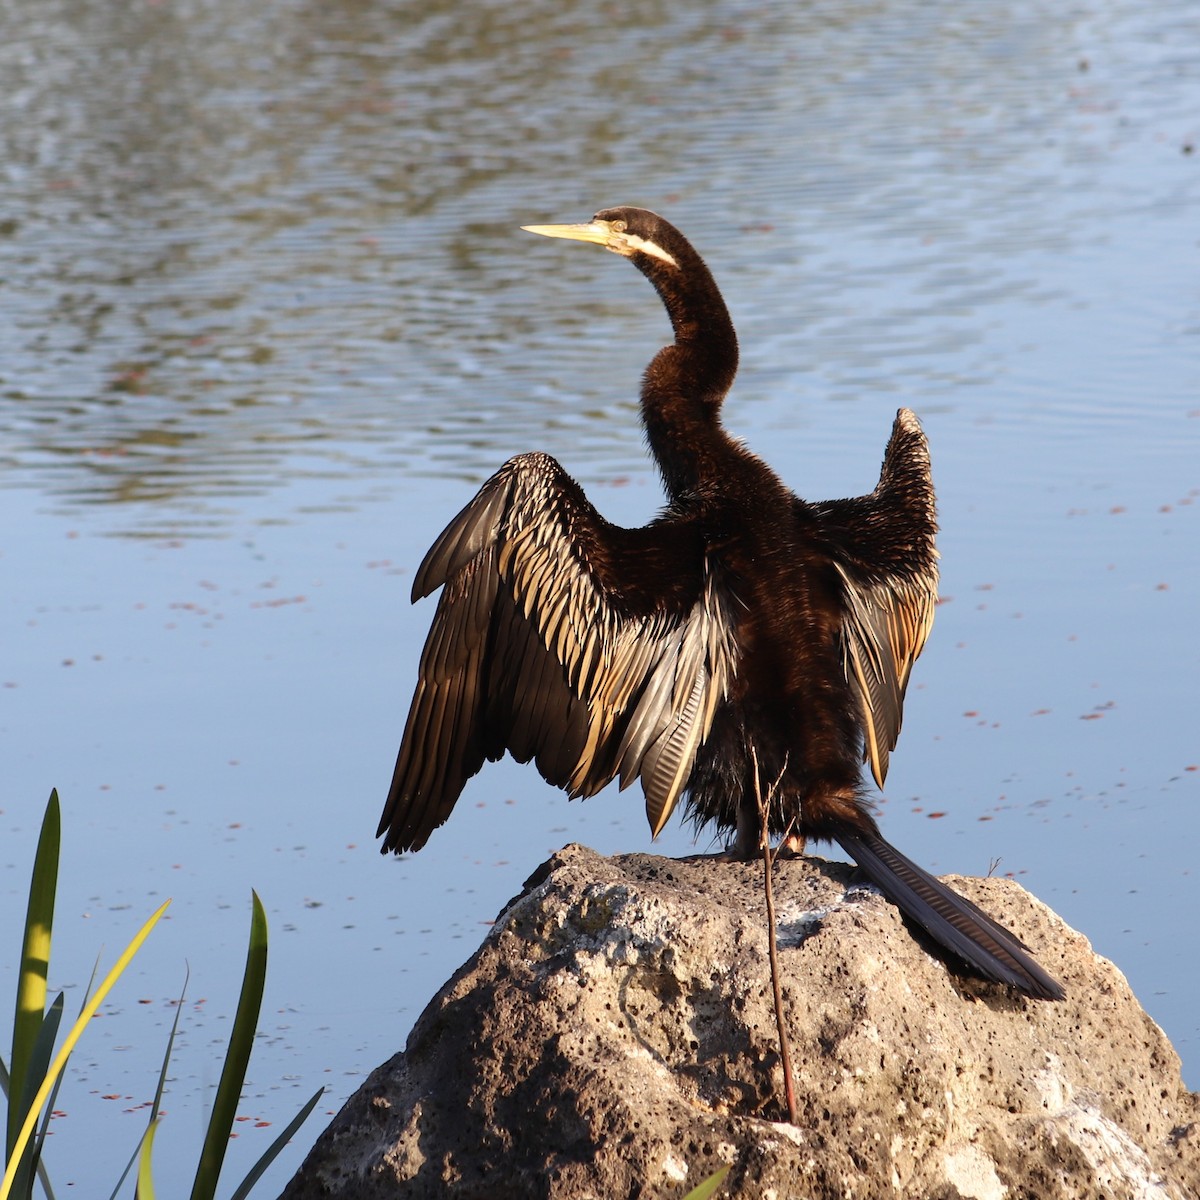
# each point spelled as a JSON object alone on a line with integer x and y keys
{"x": 614, "y": 1037}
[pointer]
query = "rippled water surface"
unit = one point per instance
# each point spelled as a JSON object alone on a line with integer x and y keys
{"x": 266, "y": 320}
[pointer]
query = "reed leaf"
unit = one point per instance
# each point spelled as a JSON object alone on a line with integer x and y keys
{"x": 76, "y": 1032}
{"x": 237, "y": 1057}
{"x": 708, "y": 1187}
{"x": 145, "y": 1178}
{"x": 32, "y": 974}
{"x": 43, "y": 1048}
{"x": 158, "y": 1091}
{"x": 272, "y": 1151}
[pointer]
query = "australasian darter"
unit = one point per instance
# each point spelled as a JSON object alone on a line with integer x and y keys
{"x": 743, "y": 637}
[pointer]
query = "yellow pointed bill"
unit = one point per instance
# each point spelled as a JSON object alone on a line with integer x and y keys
{"x": 604, "y": 233}
{"x": 599, "y": 232}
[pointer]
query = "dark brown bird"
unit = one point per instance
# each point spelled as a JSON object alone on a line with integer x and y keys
{"x": 744, "y": 636}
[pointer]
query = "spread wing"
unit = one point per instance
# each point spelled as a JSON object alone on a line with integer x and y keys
{"x": 537, "y": 649}
{"x": 884, "y": 552}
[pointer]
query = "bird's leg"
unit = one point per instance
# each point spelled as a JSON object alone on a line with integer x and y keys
{"x": 749, "y": 840}
{"x": 753, "y": 822}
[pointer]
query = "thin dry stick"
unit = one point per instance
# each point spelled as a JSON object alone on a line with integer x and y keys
{"x": 785, "y": 1050}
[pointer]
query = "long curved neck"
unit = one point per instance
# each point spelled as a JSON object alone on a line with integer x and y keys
{"x": 686, "y": 382}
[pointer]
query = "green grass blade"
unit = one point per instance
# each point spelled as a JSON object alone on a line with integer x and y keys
{"x": 39, "y": 1142}
{"x": 708, "y": 1187}
{"x": 237, "y": 1057}
{"x": 272, "y": 1151}
{"x": 158, "y": 1091}
{"x": 76, "y": 1032}
{"x": 162, "y": 1075}
{"x": 43, "y": 1046}
{"x": 45, "y": 1180}
{"x": 145, "y": 1182}
{"x": 34, "y": 969}
{"x": 49, "y": 1107}
{"x": 133, "y": 1159}
{"x": 41, "y": 1168}
{"x": 29, "y": 1017}
{"x": 39, "y": 1064}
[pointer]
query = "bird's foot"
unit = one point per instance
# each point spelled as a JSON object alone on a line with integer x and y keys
{"x": 791, "y": 846}
{"x": 743, "y": 849}
{"x": 729, "y": 854}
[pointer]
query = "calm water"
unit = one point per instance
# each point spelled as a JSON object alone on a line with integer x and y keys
{"x": 267, "y": 320}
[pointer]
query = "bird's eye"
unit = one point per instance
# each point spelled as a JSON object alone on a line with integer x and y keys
{"x": 619, "y": 226}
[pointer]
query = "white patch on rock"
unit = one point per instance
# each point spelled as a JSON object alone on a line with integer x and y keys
{"x": 1056, "y": 1092}
{"x": 789, "y": 1131}
{"x": 974, "y": 1174}
{"x": 674, "y": 1168}
{"x": 1119, "y": 1163}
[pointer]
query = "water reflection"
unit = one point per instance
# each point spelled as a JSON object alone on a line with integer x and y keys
{"x": 242, "y": 232}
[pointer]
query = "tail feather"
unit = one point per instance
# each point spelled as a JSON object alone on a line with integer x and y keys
{"x": 950, "y": 919}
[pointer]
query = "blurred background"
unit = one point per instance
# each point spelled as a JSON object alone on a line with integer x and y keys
{"x": 267, "y": 320}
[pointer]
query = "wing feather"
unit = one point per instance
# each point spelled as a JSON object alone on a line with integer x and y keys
{"x": 883, "y": 550}
{"x": 540, "y": 647}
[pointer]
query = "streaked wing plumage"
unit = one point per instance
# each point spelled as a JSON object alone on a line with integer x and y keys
{"x": 538, "y": 650}
{"x": 883, "y": 549}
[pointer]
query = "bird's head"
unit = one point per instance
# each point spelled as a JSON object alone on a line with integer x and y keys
{"x": 629, "y": 232}
{"x": 683, "y": 282}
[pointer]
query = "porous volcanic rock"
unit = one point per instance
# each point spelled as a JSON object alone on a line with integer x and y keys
{"x": 614, "y": 1037}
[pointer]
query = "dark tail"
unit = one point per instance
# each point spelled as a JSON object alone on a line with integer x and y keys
{"x": 950, "y": 919}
